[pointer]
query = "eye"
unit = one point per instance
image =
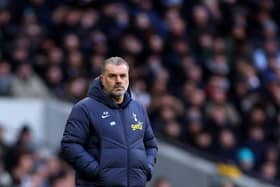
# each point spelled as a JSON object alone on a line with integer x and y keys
{"x": 123, "y": 75}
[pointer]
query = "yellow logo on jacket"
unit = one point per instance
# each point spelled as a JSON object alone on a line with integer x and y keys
{"x": 137, "y": 126}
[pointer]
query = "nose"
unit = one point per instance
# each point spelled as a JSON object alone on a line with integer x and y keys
{"x": 118, "y": 79}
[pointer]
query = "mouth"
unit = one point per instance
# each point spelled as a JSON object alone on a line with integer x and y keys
{"x": 119, "y": 87}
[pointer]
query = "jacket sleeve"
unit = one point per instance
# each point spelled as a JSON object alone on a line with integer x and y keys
{"x": 74, "y": 138}
{"x": 150, "y": 145}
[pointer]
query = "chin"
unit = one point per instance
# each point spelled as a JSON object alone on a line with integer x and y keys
{"x": 117, "y": 94}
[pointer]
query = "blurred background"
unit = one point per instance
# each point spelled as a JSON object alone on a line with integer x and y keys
{"x": 208, "y": 71}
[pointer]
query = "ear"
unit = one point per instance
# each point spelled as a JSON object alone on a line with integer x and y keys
{"x": 101, "y": 77}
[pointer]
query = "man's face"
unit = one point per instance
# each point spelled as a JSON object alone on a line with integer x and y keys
{"x": 115, "y": 80}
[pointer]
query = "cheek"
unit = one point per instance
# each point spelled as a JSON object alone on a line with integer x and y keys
{"x": 107, "y": 84}
{"x": 110, "y": 84}
{"x": 109, "y": 81}
{"x": 126, "y": 82}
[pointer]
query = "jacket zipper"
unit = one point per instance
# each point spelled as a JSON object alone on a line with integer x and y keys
{"x": 127, "y": 146}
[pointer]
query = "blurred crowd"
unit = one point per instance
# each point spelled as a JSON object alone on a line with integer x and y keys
{"x": 207, "y": 70}
{"x": 23, "y": 164}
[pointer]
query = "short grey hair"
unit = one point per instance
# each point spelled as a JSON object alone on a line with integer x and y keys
{"x": 113, "y": 60}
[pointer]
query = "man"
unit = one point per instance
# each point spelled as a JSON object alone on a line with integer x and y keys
{"x": 108, "y": 138}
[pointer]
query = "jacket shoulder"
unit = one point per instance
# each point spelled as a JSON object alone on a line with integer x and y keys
{"x": 136, "y": 104}
{"x": 84, "y": 102}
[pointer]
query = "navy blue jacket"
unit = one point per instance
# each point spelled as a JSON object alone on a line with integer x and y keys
{"x": 109, "y": 145}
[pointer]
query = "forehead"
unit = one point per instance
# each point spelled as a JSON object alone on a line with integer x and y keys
{"x": 116, "y": 69}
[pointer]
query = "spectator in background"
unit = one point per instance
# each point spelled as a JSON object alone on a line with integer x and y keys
{"x": 255, "y": 141}
{"x": 246, "y": 159}
{"x": 95, "y": 64}
{"x": 166, "y": 110}
{"x": 63, "y": 179}
{"x": 162, "y": 182}
{"x": 55, "y": 83}
{"x": 268, "y": 171}
{"x": 219, "y": 111}
{"x": 227, "y": 145}
{"x": 5, "y": 177}
{"x": 204, "y": 142}
{"x": 27, "y": 84}
{"x": 271, "y": 154}
{"x": 23, "y": 144}
{"x": 55, "y": 55}
{"x": 22, "y": 168}
{"x": 194, "y": 125}
{"x": 75, "y": 65}
{"x": 76, "y": 89}
{"x": 172, "y": 129}
{"x": 6, "y": 78}
{"x": 139, "y": 92}
{"x": 3, "y": 145}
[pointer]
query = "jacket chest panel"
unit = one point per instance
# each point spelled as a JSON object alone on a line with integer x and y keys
{"x": 123, "y": 126}
{"x": 135, "y": 124}
{"x": 107, "y": 123}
